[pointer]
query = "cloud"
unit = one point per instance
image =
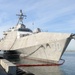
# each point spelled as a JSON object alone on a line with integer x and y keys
{"x": 44, "y": 13}
{"x": 49, "y": 15}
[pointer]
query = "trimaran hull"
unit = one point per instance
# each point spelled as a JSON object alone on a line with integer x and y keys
{"x": 43, "y": 45}
{"x": 51, "y": 51}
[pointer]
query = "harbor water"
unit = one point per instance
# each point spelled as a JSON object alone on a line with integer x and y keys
{"x": 68, "y": 68}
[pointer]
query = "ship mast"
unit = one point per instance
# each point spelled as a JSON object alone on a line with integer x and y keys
{"x": 21, "y": 17}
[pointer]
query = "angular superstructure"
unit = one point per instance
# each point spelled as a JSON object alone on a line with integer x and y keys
{"x": 39, "y": 45}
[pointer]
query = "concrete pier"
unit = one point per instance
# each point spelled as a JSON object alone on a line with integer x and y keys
{"x": 9, "y": 67}
{"x": 2, "y": 71}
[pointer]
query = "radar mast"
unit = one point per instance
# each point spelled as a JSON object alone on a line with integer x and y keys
{"x": 21, "y": 17}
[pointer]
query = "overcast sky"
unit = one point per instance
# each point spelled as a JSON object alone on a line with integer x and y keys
{"x": 49, "y": 15}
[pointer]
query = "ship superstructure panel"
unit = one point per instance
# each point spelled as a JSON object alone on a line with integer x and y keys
{"x": 39, "y": 39}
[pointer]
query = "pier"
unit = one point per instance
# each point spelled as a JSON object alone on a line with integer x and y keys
{"x": 7, "y": 67}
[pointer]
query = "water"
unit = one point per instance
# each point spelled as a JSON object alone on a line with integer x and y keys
{"x": 68, "y": 68}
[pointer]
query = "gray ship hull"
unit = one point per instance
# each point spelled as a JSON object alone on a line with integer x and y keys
{"x": 43, "y": 45}
{"x": 50, "y": 52}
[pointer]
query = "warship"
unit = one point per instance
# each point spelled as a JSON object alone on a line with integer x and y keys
{"x": 22, "y": 41}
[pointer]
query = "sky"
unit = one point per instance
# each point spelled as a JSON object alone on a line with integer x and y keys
{"x": 48, "y": 15}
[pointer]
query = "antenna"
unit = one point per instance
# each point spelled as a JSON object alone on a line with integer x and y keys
{"x": 21, "y": 17}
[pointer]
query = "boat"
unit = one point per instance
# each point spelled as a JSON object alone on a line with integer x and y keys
{"x": 46, "y": 46}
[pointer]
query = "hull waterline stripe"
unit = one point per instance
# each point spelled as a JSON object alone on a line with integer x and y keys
{"x": 33, "y": 65}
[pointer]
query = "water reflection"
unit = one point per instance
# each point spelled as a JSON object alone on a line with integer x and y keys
{"x": 52, "y": 70}
{"x": 41, "y": 70}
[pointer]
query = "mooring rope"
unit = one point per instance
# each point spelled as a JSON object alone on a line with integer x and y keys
{"x": 33, "y": 51}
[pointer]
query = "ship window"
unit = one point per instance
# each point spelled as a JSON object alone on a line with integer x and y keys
{"x": 27, "y": 30}
{"x": 22, "y": 35}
